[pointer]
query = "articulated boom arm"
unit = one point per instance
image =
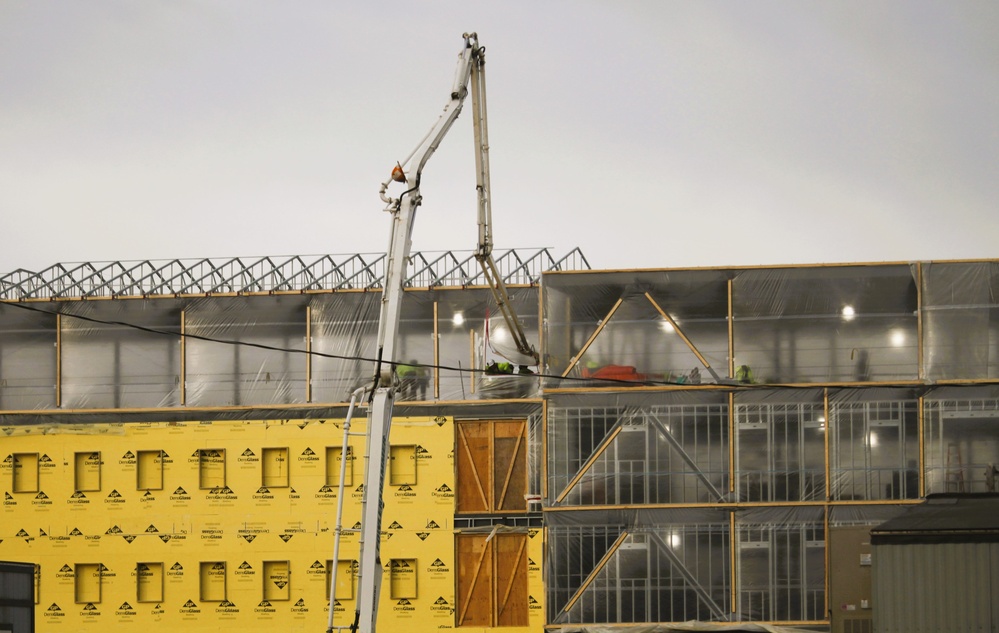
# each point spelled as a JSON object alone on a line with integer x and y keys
{"x": 403, "y": 210}
{"x": 484, "y": 251}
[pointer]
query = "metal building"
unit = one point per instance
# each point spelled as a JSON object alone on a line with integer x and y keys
{"x": 936, "y": 566}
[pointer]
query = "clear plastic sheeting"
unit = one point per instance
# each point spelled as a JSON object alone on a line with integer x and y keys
{"x": 243, "y": 363}
{"x": 344, "y": 338}
{"x": 826, "y": 324}
{"x": 681, "y": 627}
{"x": 259, "y": 350}
{"x": 535, "y": 459}
{"x": 109, "y": 365}
{"x": 874, "y": 446}
{"x": 28, "y": 358}
{"x": 627, "y": 449}
{"x": 961, "y": 320}
{"x": 961, "y": 439}
{"x": 675, "y": 565}
{"x": 467, "y": 350}
{"x": 781, "y": 564}
{"x": 780, "y": 445}
{"x": 638, "y": 566}
{"x": 789, "y": 325}
{"x": 638, "y": 326}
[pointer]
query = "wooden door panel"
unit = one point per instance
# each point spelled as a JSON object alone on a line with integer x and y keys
{"x": 474, "y": 467}
{"x": 511, "y": 579}
{"x": 510, "y": 463}
{"x": 475, "y": 572}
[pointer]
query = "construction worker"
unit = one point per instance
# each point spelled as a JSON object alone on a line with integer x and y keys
{"x": 408, "y": 379}
{"x": 422, "y": 381}
{"x": 496, "y": 369}
{"x": 744, "y": 374}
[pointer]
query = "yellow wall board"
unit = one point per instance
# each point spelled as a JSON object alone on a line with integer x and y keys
{"x": 167, "y": 523}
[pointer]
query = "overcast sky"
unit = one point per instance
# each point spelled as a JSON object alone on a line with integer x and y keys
{"x": 650, "y": 134}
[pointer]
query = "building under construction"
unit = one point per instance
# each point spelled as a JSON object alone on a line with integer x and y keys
{"x": 709, "y": 445}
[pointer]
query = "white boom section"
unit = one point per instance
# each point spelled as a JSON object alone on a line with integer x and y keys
{"x": 403, "y": 210}
{"x": 484, "y": 251}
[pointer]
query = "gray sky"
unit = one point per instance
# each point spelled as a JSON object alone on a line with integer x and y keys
{"x": 650, "y": 134}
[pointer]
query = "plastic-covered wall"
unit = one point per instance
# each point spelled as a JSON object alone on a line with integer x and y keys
{"x": 960, "y": 308}
{"x": 28, "y": 359}
{"x": 262, "y": 350}
{"x": 614, "y": 325}
{"x": 833, "y": 324}
{"x": 267, "y": 367}
{"x": 961, "y": 439}
{"x": 106, "y": 364}
{"x": 633, "y": 449}
{"x": 619, "y": 566}
{"x": 624, "y": 470}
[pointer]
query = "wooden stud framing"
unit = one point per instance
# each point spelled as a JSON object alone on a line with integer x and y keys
{"x": 825, "y": 551}
{"x": 471, "y": 360}
{"x": 544, "y": 451}
{"x": 183, "y": 358}
{"x": 308, "y": 353}
{"x": 437, "y": 355}
{"x": 731, "y": 334}
{"x": 58, "y": 367}
{"x": 683, "y": 336}
{"x": 731, "y": 441}
{"x": 541, "y": 330}
{"x": 733, "y": 543}
{"x": 589, "y": 462}
{"x": 920, "y": 373}
{"x": 825, "y": 440}
{"x": 586, "y": 346}
{"x": 596, "y": 570}
{"x": 922, "y": 450}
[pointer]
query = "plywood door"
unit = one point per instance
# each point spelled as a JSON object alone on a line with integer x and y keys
{"x": 475, "y": 572}
{"x": 491, "y": 466}
{"x": 474, "y": 468}
{"x": 510, "y": 587}
{"x": 492, "y": 580}
{"x": 510, "y": 466}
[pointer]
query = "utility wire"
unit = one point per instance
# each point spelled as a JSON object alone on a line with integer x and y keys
{"x": 274, "y": 348}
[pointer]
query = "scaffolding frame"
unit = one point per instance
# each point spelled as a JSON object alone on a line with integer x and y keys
{"x": 273, "y": 274}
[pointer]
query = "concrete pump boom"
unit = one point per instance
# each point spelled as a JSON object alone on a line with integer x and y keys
{"x": 403, "y": 210}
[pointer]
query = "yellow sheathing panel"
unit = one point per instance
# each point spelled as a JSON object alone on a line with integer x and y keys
{"x": 24, "y": 475}
{"x": 149, "y": 582}
{"x": 87, "y": 471}
{"x": 166, "y": 522}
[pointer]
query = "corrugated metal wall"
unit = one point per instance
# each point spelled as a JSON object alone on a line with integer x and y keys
{"x": 936, "y": 587}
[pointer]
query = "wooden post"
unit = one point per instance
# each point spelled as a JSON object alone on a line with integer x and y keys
{"x": 308, "y": 353}
{"x": 600, "y": 328}
{"x": 58, "y": 367}
{"x": 183, "y": 358}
